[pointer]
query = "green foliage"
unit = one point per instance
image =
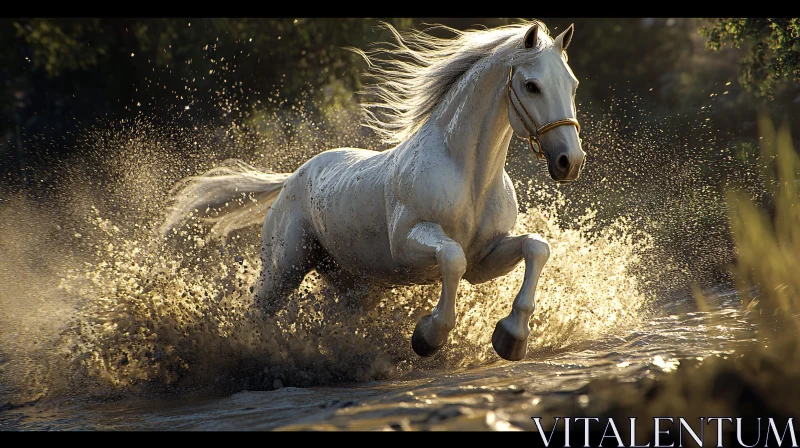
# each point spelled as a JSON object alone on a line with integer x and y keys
{"x": 773, "y": 49}
{"x": 292, "y": 54}
{"x": 57, "y": 72}
{"x": 745, "y": 151}
{"x": 58, "y": 44}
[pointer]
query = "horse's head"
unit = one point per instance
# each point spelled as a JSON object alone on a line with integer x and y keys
{"x": 541, "y": 93}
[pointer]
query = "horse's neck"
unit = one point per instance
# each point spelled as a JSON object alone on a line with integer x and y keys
{"x": 474, "y": 121}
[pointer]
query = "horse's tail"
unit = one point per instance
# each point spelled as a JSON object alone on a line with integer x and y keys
{"x": 232, "y": 196}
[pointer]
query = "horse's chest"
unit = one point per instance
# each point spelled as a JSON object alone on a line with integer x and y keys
{"x": 470, "y": 212}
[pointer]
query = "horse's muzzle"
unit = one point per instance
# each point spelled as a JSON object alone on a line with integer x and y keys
{"x": 565, "y": 167}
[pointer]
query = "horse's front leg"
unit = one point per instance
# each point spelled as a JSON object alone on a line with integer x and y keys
{"x": 510, "y": 337}
{"x": 426, "y": 245}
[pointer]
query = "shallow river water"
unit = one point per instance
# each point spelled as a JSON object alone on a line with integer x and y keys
{"x": 105, "y": 327}
{"x": 499, "y": 396}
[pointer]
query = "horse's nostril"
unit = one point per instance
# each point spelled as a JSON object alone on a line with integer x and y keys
{"x": 562, "y": 162}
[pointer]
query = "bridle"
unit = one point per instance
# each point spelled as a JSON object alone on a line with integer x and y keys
{"x": 535, "y": 132}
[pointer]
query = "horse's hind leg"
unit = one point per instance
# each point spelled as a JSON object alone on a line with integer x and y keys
{"x": 354, "y": 291}
{"x": 510, "y": 337}
{"x": 287, "y": 254}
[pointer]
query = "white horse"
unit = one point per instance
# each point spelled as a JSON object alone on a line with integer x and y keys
{"x": 439, "y": 203}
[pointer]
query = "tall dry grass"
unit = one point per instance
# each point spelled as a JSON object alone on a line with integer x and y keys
{"x": 768, "y": 243}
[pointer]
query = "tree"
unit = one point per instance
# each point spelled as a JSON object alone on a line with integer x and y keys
{"x": 773, "y": 52}
{"x": 57, "y": 72}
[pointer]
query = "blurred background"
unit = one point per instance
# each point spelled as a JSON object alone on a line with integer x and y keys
{"x": 57, "y": 73}
{"x": 669, "y": 106}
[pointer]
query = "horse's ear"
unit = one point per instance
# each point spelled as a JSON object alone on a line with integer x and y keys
{"x": 565, "y": 38}
{"x": 530, "y": 37}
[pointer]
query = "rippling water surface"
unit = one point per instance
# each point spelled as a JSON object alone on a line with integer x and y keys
{"x": 498, "y": 396}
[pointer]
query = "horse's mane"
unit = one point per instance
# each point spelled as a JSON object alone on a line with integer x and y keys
{"x": 415, "y": 74}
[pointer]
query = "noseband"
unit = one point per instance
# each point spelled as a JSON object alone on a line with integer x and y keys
{"x": 535, "y": 132}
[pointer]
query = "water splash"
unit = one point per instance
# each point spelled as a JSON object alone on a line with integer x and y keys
{"x": 179, "y": 318}
{"x": 143, "y": 314}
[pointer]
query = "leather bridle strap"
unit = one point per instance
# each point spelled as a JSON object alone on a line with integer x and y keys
{"x": 535, "y": 132}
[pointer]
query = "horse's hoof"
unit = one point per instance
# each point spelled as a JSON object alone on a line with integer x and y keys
{"x": 507, "y": 346}
{"x": 419, "y": 344}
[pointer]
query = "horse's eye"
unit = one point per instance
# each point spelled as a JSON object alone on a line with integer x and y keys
{"x": 532, "y": 87}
